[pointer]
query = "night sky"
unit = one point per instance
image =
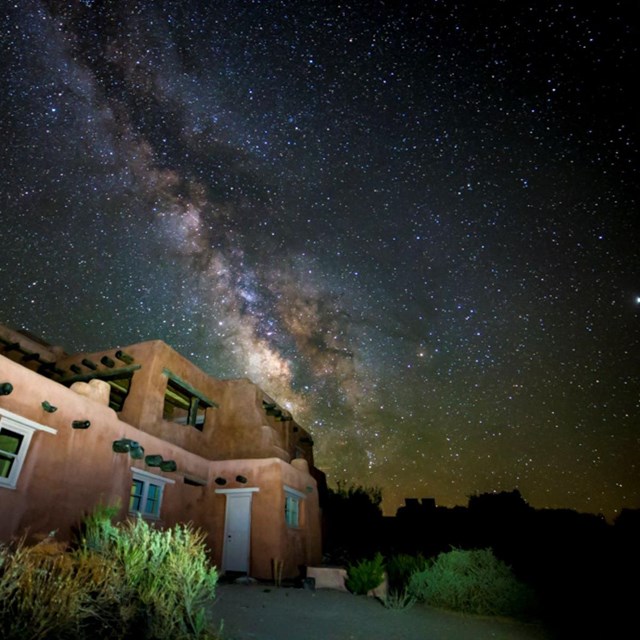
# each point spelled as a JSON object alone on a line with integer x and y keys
{"x": 412, "y": 223}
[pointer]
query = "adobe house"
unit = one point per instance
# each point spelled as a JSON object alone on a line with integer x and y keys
{"x": 144, "y": 428}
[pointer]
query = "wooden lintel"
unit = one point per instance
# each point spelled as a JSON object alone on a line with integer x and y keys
{"x": 112, "y": 374}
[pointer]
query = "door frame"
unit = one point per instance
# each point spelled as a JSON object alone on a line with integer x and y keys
{"x": 249, "y": 491}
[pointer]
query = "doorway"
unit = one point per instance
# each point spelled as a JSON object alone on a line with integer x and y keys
{"x": 237, "y": 529}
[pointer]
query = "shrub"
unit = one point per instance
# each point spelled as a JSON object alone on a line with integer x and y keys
{"x": 48, "y": 593}
{"x": 122, "y": 581}
{"x": 399, "y": 600}
{"x": 401, "y": 567}
{"x": 471, "y": 581}
{"x": 365, "y": 575}
{"x": 166, "y": 575}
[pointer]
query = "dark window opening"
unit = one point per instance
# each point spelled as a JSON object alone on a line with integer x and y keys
{"x": 183, "y": 406}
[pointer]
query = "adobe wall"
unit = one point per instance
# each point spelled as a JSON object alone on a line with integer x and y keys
{"x": 248, "y": 431}
{"x": 304, "y": 545}
{"x": 238, "y": 428}
{"x": 45, "y": 353}
{"x": 241, "y": 418}
{"x": 270, "y": 537}
{"x": 144, "y": 404}
{"x": 65, "y": 475}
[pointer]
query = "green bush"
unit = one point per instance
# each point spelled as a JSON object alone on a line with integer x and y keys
{"x": 122, "y": 581}
{"x": 166, "y": 575}
{"x": 365, "y": 575}
{"x": 473, "y": 582}
{"x": 401, "y": 567}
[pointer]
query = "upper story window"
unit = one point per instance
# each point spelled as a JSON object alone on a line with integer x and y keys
{"x": 15, "y": 437}
{"x": 146, "y": 493}
{"x": 184, "y": 404}
{"x": 293, "y": 501}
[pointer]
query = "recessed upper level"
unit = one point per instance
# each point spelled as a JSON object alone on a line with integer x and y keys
{"x": 156, "y": 389}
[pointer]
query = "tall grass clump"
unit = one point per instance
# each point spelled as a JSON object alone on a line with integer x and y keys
{"x": 400, "y": 567}
{"x": 365, "y": 575}
{"x": 167, "y": 578}
{"x": 47, "y": 592}
{"x": 120, "y": 581}
{"x": 398, "y": 599}
{"x": 472, "y": 581}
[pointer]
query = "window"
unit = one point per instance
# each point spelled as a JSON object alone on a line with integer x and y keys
{"x": 11, "y": 441}
{"x": 292, "y": 507}
{"x": 292, "y": 511}
{"x": 183, "y": 404}
{"x": 15, "y": 437}
{"x": 146, "y": 493}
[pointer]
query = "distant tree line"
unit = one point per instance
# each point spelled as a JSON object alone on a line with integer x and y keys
{"x": 579, "y": 563}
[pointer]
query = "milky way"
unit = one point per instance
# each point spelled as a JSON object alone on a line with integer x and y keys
{"x": 413, "y": 224}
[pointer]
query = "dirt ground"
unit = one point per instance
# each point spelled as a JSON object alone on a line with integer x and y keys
{"x": 263, "y": 612}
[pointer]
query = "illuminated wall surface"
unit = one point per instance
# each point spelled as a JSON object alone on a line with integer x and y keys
{"x": 145, "y": 429}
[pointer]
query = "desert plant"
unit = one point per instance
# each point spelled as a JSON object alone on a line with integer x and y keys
{"x": 46, "y": 592}
{"x": 472, "y": 581}
{"x": 365, "y": 575}
{"x": 166, "y": 574}
{"x": 97, "y": 530}
{"x": 126, "y": 580}
{"x": 399, "y": 600}
{"x": 401, "y": 567}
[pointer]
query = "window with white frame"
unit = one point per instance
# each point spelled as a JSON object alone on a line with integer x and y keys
{"x": 293, "y": 507}
{"x": 15, "y": 437}
{"x": 147, "y": 489}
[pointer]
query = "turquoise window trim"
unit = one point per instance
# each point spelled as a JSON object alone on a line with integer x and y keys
{"x": 190, "y": 389}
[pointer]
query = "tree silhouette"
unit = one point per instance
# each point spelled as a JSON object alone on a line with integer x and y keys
{"x": 352, "y": 523}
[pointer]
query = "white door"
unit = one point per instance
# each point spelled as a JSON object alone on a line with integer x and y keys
{"x": 237, "y": 529}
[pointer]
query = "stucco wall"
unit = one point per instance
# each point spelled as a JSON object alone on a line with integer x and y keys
{"x": 270, "y": 537}
{"x": 144, "y": 404}
{"x": 238, "y": 428}
{"x": 67, "y": 474}
{"x": 46, "y": 353}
